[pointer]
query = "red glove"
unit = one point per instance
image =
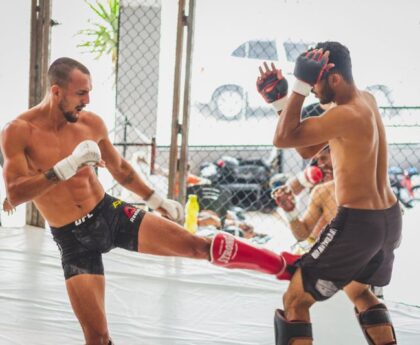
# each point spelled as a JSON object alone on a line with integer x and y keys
{"x": 311, "y": 176}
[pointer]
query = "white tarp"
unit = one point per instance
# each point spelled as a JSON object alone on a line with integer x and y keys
{"x": 160, "y": 301}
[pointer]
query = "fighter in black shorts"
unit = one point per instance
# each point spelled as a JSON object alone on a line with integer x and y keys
{"x": 357, "y": 245}
{"x": 356, "y": 248}
{"x": 49, "y": 152}
{"x": 112, "y": 223}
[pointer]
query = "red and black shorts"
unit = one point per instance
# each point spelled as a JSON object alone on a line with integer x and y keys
{"x": 358, "y": 245}
{"x": 112, "y": 223}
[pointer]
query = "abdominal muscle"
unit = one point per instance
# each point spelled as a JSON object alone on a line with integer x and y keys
{"x": 72, "y": 199}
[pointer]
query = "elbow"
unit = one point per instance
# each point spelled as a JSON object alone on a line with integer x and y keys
{"x": 285, "y": 140}
{"x": 13, "y": 196}
{"x": 280, "y": 142}
{"x": 298, "y": 235}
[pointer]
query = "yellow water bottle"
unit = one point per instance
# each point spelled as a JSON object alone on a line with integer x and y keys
{"x": 191, "y": 213}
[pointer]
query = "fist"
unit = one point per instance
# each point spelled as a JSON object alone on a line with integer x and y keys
{"x": 284, "y": 198}
{"x": 309, "y": 69}
{"x": 310, "y": 66}
{"x": 86, "y": 153}
{"x": 171, "y": 209}
{"x": 311, "y": 176}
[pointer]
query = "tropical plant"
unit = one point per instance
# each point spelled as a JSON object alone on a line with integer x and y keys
{"x": 103, "y": 34}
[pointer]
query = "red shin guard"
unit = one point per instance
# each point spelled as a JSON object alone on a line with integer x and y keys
{"x": 230, "y": 252}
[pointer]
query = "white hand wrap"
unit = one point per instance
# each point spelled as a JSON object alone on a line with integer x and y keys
{"x": 174, "y": 209}
{"x": 302, "y": 88}
{"x": 280, "y": 104}
{"x": 292, "y": 215}
{"x": 86, "y": 153}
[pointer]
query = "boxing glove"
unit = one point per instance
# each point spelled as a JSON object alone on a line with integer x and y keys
{"x": 273, "y": 87}
{"x": 309, "y": 68}
{"x": 174, "y": 210}
{"x": 310, "y": 176}
{"x": 86, "y": 153}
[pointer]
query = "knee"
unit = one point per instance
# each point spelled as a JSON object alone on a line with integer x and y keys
{"x": 362, "y": 295}
{"x": 294, "y": 300}
{"x": 200, "y": 248}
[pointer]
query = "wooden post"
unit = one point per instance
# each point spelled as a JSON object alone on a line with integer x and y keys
{"x": 39, "y": 61}
{"x": 173, "y": 155}
{"x": 183, "y": 159}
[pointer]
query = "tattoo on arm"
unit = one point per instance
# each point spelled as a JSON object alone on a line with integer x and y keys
{"x": 128, "y": 179}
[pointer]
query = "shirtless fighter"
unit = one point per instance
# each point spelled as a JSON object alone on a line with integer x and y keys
{"x": 49, "y": 153}
{"x": 357, "y": 248}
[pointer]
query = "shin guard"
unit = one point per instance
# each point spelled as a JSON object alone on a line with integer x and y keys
{"x": 376, "y": 315}
{"x": 286, "y": 331}
{"x": 227, "y": 251}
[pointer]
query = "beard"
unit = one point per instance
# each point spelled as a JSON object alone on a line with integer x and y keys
{"x": 70, "y": 116}
{"x": 328, "y": 95}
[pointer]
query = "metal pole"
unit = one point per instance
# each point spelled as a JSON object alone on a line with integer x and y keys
{"x": 173, "y": 155}
{"x": 38, "y": 67}
{"x": 183, "y": 163}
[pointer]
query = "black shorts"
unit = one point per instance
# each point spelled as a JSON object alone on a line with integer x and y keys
{"x": 358, "y": 245}
{"x": 112, "y": 223}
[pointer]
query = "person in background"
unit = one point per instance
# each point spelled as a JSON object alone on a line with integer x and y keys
{"x": 322, "y": 205}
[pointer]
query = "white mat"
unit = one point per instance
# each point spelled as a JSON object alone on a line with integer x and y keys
{"x": 160, "y": 301}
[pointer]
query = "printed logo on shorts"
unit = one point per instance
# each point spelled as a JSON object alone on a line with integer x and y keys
{"x": 326, "y": 288}
{"x": 83, "y": 219}
{"x": 116, "y": 203}
{"x": 324, "y": 244}
{"x": 131, "y": 212}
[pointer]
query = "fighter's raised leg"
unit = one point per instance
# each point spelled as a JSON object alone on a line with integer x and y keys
{"x": 160, "y": 236}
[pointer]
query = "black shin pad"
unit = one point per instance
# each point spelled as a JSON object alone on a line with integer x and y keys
{"x": 286, "y": 331}
{"x": 376, "y": 315}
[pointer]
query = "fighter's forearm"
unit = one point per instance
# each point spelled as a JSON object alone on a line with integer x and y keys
{"x": 289, "y": 120}
{"x": 130, "y": 179}
{"x": 25, "y": 189}
{"x": 299, "y": 229}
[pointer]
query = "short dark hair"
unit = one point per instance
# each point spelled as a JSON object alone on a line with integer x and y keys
{"x": 340, "y": 57}
{"x": 59, "y": 71}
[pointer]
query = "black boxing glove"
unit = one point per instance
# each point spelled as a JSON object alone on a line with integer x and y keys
{"x": 309, "y": 68}
{"x": 273, "y": 87}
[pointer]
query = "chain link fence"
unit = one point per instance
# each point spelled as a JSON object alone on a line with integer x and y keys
{"x": 232, "y": 165}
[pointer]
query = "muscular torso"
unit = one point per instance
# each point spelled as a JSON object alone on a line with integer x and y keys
{"x": 68, "y": 200}
{"x": 360, "y": 159}
{"x": 328, "y": 201}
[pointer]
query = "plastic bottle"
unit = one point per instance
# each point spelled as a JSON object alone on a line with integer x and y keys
{"x": 191, "y": 213}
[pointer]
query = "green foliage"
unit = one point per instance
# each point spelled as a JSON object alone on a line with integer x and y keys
{"x": 102, "y": 36}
